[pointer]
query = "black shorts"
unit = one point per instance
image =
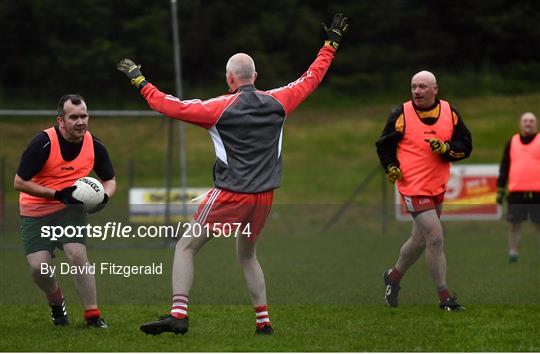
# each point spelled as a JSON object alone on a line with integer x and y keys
{"x": 522, "y": 205}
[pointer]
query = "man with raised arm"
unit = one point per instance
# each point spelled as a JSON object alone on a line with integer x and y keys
{"x": 246, "y": 128}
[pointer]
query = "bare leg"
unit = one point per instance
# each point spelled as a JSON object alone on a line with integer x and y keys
{"x": 185, "y": 250}
{"x": 182, "y": 280}
{"x": 253, "y": 274}
{"x": 514, "y": 239}
{"x": 85, "y": 283}
{"x": 430, "y": 226}
{"x": 411, "y": 250}
{"x": 45, "y": 282}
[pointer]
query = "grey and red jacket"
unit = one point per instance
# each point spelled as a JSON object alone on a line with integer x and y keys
{"x": 246, "y": 126}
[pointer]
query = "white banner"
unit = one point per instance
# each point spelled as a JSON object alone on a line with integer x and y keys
{"x": 147, "y": 205}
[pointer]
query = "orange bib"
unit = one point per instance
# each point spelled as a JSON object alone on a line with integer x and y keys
{"x": 57, "y": 174}
{"x": 424, "y": 173}
{"x": 524, "y": 173}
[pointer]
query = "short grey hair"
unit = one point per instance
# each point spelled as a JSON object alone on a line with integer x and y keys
{"x": 75, "y": 98}
{"x": 241, "y": 66}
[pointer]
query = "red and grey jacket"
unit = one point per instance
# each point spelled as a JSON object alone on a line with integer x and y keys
{"x": 246, "y": 126}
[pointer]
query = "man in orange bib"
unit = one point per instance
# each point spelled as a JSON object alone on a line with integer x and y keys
{"x": 520, "y": 170}
{"x": 418, "y": 143}
{"x": 49, "y": 166}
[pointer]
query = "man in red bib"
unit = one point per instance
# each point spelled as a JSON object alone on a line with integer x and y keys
{"x": 419, "y": 141}
{"x": 520, "y": 170}
{"x": 49, "y": 166}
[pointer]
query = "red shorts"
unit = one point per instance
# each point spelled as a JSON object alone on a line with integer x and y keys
{"x": 418, "y": 203}
{"x": 232, "y": 214}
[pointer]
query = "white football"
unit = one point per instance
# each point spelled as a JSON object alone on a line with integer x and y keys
{"x": 89, "y": 191}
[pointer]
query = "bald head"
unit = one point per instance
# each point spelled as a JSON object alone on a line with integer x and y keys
{"x": 240, "y": 70}
{"x": 528, "y": 124}
{"x": 424, "y": 76}
{"x": 424, "y": 89}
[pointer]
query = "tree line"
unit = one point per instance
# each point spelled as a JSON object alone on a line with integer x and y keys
{"x": 50, "y": 47}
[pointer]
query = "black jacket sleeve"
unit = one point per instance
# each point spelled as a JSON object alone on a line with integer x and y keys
{"x": 102, "y": 163}
{"x": 34, "y": 157}
{"x": 389, "y": 140}
{"x": 461, "y": 141}
{"x": 504, "y": 168}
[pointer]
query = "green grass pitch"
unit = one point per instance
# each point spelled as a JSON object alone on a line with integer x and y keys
{"x": 324, "y": 290}
{"x": 298, "y": 328}
{"x": 325, "y": 294}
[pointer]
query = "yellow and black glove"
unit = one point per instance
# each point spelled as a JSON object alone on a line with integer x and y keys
{"x": 438, "y": 146}
{"x": 337, "y": 29}
{"x": 393, "y": 173}
{"x": 132, "y": 71}
{"x": 501, "y": 194}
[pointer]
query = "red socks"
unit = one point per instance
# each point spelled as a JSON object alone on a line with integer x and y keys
{"x": 395, "y": 275}
{"x": 262, "y": 318}
{"x": 55, "y": 298}
{"x": 180, "y": 310}
{"x": 444, "y": 293}
{"x": 179, "y": 306}
{"x": 92, "y": 313}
